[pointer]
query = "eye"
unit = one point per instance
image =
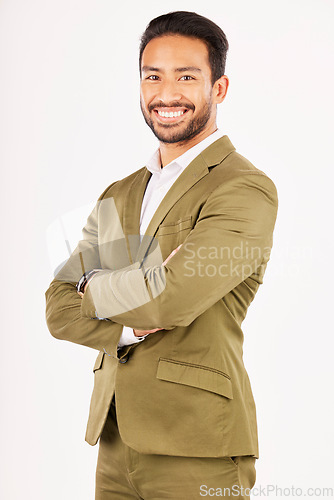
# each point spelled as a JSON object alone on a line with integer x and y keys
{"x": 152, "y": 78}
{"x": 186, "y": 78}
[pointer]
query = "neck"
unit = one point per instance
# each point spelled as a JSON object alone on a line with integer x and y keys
{"x": 168, "y": 152}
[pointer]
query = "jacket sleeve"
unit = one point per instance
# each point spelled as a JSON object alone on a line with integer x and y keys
{"x": 231, "y": 241}
{"x": 63, "y": 304}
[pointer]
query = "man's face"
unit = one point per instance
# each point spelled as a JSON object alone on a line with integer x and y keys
{"x": 176, "y": 95}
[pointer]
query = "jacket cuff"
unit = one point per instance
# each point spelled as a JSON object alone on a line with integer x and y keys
{"x": 110, "y": 293}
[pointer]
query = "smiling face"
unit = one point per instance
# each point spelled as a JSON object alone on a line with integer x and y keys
{"x": 177, "y": 98}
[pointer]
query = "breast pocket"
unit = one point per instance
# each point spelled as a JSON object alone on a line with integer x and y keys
{"x": 175, "y": 227}
{"x": 172, "y": 234}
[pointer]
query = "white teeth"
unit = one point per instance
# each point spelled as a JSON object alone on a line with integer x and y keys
{"x": 170, "y": 114}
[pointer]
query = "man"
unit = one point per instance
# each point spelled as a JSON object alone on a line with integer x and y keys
{"x": 172, "y": 403}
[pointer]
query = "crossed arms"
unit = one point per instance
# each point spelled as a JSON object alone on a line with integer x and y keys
{"x": 239, "y": 214}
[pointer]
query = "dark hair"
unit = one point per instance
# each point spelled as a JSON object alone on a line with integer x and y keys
{"x": 195, "y": 26}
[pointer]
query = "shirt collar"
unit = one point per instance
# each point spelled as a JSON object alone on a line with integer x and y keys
{"x": 154, "y": 163}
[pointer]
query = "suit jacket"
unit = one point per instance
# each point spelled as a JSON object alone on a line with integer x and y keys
{"x": 184, "y": 390}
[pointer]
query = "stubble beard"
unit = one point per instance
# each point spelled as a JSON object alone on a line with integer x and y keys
{"x": 169, "y": 133}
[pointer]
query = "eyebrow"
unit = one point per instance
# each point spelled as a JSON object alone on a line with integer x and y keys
{"x": 177, "y": 70}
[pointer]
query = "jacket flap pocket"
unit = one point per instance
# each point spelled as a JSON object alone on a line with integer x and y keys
{"x": 202, "y": 377}
{"x": 98, "y": 362}
{"x": 175, "y": 227}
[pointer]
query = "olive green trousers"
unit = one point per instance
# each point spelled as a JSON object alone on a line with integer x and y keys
{"x": 122, "y": 473}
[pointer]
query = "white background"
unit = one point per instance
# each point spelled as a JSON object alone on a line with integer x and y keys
{"x": 70, "y": 124}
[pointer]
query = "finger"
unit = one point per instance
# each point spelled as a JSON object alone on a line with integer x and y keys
{"x": 171, "y": 254}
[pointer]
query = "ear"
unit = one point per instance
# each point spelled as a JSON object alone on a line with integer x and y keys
{"x": 220, "y": 89}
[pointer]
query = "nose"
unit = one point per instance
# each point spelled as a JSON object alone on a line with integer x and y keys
{"x": 169, "y": 92}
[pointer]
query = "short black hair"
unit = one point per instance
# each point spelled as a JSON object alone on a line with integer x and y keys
{"x": 195, "y": 26}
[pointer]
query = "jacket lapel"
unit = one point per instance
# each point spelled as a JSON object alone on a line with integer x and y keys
{"x": 132, "y": 203}
{"x": 194, "y": 172}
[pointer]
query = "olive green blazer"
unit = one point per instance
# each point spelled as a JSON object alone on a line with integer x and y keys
{"x": 184, "y": 390}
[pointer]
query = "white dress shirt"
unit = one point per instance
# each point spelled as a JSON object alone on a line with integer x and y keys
{"x": 160, "y": 182}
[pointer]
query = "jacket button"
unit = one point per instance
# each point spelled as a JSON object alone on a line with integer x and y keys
{"x": 125, "y": 359}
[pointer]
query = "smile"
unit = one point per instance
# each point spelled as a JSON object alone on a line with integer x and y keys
{"x": 171, "y": 114}
{"x": 168, "y": 115}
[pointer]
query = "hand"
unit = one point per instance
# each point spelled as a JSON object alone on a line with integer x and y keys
{"x": 143, "y": 333}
